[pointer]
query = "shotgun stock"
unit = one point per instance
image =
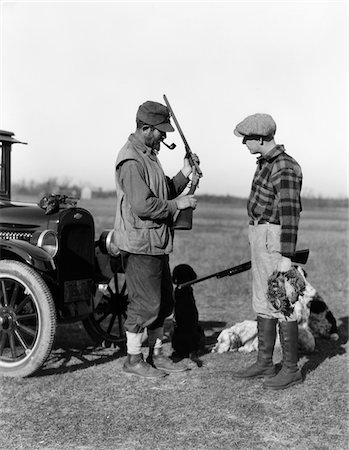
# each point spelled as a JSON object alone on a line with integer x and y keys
{"x": 300, "y": 257}
{"x": 184, "y": 219}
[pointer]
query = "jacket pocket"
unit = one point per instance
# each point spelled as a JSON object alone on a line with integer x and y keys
{"x": 273, "y": 238}
{"x": 137, "y": 222}
{"x": 140, "y": 223}
{"x": 264, "y": 192}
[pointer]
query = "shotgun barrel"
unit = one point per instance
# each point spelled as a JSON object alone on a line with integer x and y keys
{"x": 300, "y": 257}
{"x": 184, "y": 220}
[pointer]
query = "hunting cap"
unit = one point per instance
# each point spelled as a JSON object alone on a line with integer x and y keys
{"x": 262, "y": 125}
{"x": 155, "y": 114}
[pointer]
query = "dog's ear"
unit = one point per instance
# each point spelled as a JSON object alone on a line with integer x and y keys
{"x": 175, "y": 274}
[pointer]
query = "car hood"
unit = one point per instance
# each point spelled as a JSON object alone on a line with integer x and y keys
{"x": 25, "y": 217}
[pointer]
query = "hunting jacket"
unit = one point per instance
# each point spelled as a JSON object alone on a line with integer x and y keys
{"x": 144, "y": 201}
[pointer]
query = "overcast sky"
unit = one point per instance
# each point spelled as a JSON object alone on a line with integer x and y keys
{"x": 74, "y": 73}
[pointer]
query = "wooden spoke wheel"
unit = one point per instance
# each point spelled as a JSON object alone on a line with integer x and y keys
{"x": 106, "y": 324}
{"x": 27, "y": 319}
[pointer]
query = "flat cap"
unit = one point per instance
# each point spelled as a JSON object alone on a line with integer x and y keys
{"x": 155, "y": 114}
{"x": 256, "y": 125}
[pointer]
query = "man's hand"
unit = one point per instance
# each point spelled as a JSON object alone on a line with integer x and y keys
{"x": 186, "y": 201}
{"x": 284, "y": 264}
{"x": 187, "y": 168}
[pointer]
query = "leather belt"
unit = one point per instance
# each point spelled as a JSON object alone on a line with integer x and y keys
{"x": 262, "y": 221}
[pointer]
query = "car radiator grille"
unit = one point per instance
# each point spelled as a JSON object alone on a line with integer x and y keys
{"x": 15, "y": 235}
{"x": 76, "y": 255}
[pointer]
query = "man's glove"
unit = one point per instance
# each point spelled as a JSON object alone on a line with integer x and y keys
{"x": 284, "y": 288}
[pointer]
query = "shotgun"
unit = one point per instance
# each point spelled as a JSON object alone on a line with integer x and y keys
{"x": 184, "y": 219}
{"x": 300, "y": 257}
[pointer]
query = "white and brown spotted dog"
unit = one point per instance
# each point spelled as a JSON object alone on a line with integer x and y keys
{"x": 313, "y": 313}
{"x": 314, "y": 320}
{"x": 241, "y": 337}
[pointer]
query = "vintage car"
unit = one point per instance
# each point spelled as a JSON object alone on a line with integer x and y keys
{"x": 52, "y": 270}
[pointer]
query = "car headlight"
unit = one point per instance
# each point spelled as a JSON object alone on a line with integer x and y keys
{"x": 47, "y": 240}
{"x": 106, "y": 243}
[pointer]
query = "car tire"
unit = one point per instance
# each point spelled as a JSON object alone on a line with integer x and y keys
{"x": 27, "y": 319}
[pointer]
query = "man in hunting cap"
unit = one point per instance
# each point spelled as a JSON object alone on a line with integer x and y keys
{"x": 146, "y": 204}
{"x": 274, "y": 207}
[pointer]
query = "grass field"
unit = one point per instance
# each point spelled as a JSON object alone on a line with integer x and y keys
{"x": 82, "y": 400}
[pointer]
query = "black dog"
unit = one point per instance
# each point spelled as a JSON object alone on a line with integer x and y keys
{"x": 188, "y": 338}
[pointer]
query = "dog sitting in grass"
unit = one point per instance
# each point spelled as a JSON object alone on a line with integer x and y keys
{"x": 188, "y": 338}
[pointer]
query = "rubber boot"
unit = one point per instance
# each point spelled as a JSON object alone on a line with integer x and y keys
{"x": 266, "y": 340}
{"x": 135, "y": 365}
{"x": 289, "y": 374}
{"x": 157, "y": 359}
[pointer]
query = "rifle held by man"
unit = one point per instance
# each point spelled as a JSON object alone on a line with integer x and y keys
{"x": 184, "y": 219}
{"x": 300, "y": 257}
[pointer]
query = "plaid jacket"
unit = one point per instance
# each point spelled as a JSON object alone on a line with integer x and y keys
{"x": 275, "y": 195}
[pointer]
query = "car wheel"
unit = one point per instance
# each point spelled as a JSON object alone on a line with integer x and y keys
{"x": 27, "y": 319}
{"x": 106, "y": 324}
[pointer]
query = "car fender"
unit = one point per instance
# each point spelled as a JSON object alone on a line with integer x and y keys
{"x": 34, "y": 256}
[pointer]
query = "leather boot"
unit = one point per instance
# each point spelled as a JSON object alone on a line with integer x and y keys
{"x": 135, "y": 365}
{"x": 289, "y": 374}
{"x": 157, "y": 359}
{"x": 266, "y": 339}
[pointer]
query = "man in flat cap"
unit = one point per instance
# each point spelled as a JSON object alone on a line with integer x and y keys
{"x": 274, "y": 207}
{"x": 146, "y": 204}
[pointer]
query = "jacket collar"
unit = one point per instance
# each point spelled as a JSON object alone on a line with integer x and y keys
{"x": 273, "y": 154}
{"x": 140, "y": 146}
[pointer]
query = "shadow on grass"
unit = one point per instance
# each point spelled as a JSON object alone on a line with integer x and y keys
{"x": 212, "y": 330}
{"x": 71, "y": 360}
{"x": 74, "y": 350}
{"x": 326, "y": 348}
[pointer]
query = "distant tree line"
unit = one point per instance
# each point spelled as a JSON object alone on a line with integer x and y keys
{"x": 52, "y": 185}
{"x": 311, "y": 201}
